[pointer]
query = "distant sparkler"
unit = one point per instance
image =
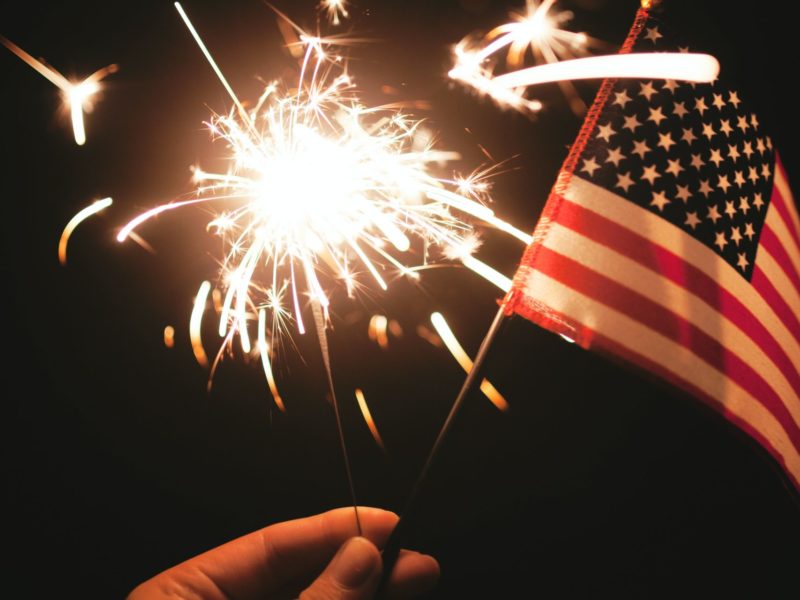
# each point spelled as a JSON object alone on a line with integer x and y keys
{"x": 322, "y": 189}
{"x": 539, "y": 30}
{"x": 335, "y": 9}
{"x": 78, "y": 96}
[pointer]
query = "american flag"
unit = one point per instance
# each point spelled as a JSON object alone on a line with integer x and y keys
{"x": 671, "y": 240}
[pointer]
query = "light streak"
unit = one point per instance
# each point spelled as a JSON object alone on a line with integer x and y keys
{"x": 448, "y": 337}
{"x": 195, "y": 324}
{"x": 362, "y": 404}
{"x": 263, "y": 350}
{"x": 697, "y": 68}
{"x": 78, "y": 95}
{"x": 81, "y": 216}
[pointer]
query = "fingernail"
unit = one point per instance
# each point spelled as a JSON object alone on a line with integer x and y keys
{"x": 355, "y": 562}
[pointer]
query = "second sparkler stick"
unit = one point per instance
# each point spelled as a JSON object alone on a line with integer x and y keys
{"x": 391, "y": 550}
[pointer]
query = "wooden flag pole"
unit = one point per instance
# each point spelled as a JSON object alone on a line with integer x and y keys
{"x": 391, "y": 550}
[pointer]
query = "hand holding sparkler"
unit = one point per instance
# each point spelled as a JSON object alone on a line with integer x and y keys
{"x": 279, "y": 561}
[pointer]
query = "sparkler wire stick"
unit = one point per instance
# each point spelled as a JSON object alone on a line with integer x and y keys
{"x": 326, "y": 358}
{"x": 391, "y": 550}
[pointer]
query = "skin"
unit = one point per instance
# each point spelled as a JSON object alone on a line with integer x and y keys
{"x": 315, "y": 558}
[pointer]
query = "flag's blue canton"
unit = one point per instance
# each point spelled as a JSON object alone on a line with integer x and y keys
{"x": 691, "y": 153}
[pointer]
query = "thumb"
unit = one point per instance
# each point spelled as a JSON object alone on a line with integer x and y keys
{"x": 353, "y": 574}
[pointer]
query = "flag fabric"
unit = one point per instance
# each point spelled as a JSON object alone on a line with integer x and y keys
{"x": 671, "y": 240}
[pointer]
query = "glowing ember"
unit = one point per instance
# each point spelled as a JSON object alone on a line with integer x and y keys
{"x": 169, "y": 336}
{"x": 362, "y": 404}
{"x": 378, "y": 327}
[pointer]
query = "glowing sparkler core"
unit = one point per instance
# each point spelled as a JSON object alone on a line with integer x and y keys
{"x": 322, "y": 189}
{"x": 78, "y": 96}
{"x": 539, "y": 29}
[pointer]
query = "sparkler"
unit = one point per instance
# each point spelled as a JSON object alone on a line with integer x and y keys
{"x": 323, "y": 189}
{"x": 78, "y": 96}
{"x": 539, "y": 29}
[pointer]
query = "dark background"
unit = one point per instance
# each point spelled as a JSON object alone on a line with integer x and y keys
{"x": 118, "y": 462}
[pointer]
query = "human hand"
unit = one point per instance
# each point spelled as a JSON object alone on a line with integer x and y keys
{"x": 315, "y": 558}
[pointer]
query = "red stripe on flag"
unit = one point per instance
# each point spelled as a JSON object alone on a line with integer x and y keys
{"x": 658, "y": 318}
{"x": 764, "y": 286}
{"x": 663, "y": 262}
{"x": 773, "y": 245}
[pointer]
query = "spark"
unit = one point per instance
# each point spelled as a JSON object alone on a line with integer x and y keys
{"x": 539, "y": 29}
{"x": 322, "y": 189}
{"x": 196, "y": 321}
{"x": 362, "y": 404}
{"x": 395, "y": 329}
{"x": 141, "y": 242}
{"x": 464, "y": 253}
{"x": 334, "y": 9}
{"x": 429, "y": 336}
{"x": 169, "y": 336}
{"x": 263, "y": 350}
{"x": 78, "y": 95}
{"x": 378, "y": 326}
{"x": 81, "y": 216}
{"x": 448, "y": 337}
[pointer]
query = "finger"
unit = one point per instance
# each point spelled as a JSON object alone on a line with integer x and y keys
{"x": 413, "y": 575}
{"x": 353, "y": 574}
{"x": 267, "y": 560}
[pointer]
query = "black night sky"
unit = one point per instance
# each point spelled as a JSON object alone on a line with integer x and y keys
{"x": 599, "y": 481}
